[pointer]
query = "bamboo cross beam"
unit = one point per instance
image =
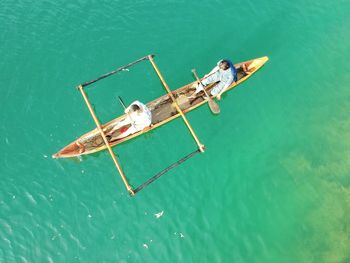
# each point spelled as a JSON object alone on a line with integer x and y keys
{"x": 128, "y": 187}
{"x": 115, "y": 71}
{"x": 155, "y": 177}
{"x": 200, "y": 146}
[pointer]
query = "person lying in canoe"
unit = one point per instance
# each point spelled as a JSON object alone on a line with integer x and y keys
{"x": 138, "y": 117}
{"x": 224, "y": 73}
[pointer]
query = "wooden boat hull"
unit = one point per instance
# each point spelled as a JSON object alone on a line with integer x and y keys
{"x": 162, "y": 109}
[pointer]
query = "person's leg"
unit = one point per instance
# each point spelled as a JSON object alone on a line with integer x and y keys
{"x": 119, "y": 125}
{"x": 215, "y": 91}
{"x": 126, "y": 133}
{"x": 199, "y": 88}
{"x": 211, "y": 79}
{"x": 206, "y": 81}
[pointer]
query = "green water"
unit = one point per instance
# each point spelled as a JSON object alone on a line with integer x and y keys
{"x": 273, "y": 184}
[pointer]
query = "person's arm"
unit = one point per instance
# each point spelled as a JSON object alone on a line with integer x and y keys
{"x": 127, "y": 110}
{"x": 216, "y": 68}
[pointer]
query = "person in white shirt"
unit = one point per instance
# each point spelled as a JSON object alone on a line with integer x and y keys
{"x": 138, "y": 117}
{"x": 224, "y": 73}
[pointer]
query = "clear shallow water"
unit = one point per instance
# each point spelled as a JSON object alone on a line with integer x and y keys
{"x": 273, "y": 185}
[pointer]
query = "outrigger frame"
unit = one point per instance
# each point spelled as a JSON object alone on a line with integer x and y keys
{"x": 201, "y": 147}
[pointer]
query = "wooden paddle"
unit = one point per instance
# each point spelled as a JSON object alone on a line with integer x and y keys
{"x": 127, "y": 113}
{"x": 214, "y": 107}
{"x": 121, "y": 102}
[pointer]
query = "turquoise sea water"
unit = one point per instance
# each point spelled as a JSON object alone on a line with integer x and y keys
{"x": 273, "y": 184}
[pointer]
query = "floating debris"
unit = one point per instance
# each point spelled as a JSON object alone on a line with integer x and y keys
{"x": 159, "y": 214}
{"x": 181, "y": 235}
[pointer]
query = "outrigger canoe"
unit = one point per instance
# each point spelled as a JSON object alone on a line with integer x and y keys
{"x": 163, "y": 110}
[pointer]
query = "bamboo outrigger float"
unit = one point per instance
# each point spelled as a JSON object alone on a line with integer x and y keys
{"x": 164, "y": 109}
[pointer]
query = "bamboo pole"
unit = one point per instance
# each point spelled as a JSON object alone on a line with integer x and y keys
{"x": 114, "y": 71}
{"x": 200, "y": 146}
{"x": 128, "y": 187}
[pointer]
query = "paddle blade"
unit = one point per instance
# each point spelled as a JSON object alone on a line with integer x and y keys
{"x": 214, "y": 107}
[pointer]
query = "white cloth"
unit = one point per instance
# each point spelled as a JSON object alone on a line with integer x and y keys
{"x": 138, "y": 121}
{"x": 199, "y": 87}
